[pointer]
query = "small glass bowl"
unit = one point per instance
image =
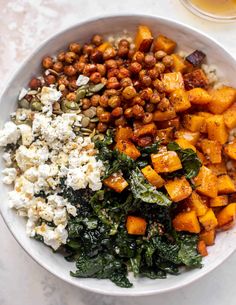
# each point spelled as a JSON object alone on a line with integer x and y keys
{"x": 207, "y": 15}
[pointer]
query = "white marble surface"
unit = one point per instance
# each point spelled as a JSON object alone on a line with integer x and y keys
{"x": 23, "y": 25}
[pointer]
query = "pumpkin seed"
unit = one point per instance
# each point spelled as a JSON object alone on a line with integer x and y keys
{"x": 53, "y": 72}
{"x": 32, "y": 92}
{"x": 98, "y": 137}
{"x": 69, "y": 106}
{"x": 93, "y": 133}
{"x": 80, "y": 93}
{"x": 24, "y": 103}
{"x": 36, "y": 106}
{"x": 85, "y": 121}
{"x": 91, "y": 112}
{"x": 86, "y": 130}
{"x": 94, "y": 120}
{"x": 86, "y": 133}
{"x": 96, "y": 88}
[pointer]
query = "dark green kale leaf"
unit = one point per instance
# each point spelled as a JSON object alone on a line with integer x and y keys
{"x": 144, "y": 191}
{"x": 189, "y": 159}
{"x": 146, "y": 151}
{"x": 188, "y": 253}
{"x": 152, "y": 273}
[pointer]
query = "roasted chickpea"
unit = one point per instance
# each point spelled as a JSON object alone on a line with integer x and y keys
{"x": 97, "y": 40}
{"x": 125, "y": 82}
{"x": 69, "y": 70}
{"x": 95, "y": 99}
{"x": 131, "y": 53}
{"x": 47, "y": 62}
{"x": 91, "y": 125}
{"x": 58, "y": 66}
{"x": 50, "y": 79}
{"x": 111, "y": 64}
{"x": 71, "y": 96}
{"x": 158, "y": 84}
{"x": 124, "y": 43}
{"x": 105, "y": 117}
{"x": 137, "y": 100}
{"x": 88, "y": 49}
{"x": 70, "y": 57}
{"x": 123, "y": 72}
{"x": 86, "y": 103}
{"x": 95, "y": 77}
{"x": 61, "y": 56}
{"x": 149, "y": 107}
{"x": 129, "y": 92}
{"x": 155, "y": 98}
{"x": 123, "y": 51}
{"x": 103, "y": 100}
{"x": 121, "y": 121}
{"x": 153, "y": 73}
{"x": 160, "y": 54}
{"x": 65, "y": 92}
{"x": 114, "y": 101}
{"x": 89, "y": 69}
{"x": 117, "y": 112}
{"x": 149, "y": 60}
{"x": 135, "y": 67}
{"x": 119, "y": 62}
{"x": 138, "y": 111}
{"x": 160, "y": 67}
{"x": 75, "y": 47}
{"x": 146, "y": 94}
{"x": 104, "y": 81}
{"x": 148, "y": 118}
{"x": 128, "y": 113}
{"x": 101, "y": 127}
{"x": 109, "y": 53}
{"x": 146, "y": 80}
{"x": 164, "y": 104}
{"x": 111, "y": 92}
{"x": 72, "y": 84}
{"x": 96, "y": 56}
{"x": 101, "y": 69}
{"x": 79, "y": 66}
{"x": 137, "y": 84}
{"x": 112, "y": 72}
{"x": 83, "y": 58}
{"x": 168, "y": 61}
{"x": 63, "y": 80}
{"x": 139, "y": 57}
{"x": 112, "y": 83}
{"x": 35, "y": 83}
{"x": 99, "y": 110}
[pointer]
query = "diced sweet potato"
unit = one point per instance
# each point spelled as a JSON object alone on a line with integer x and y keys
{"x": 123, "y": 133}
{"x": 199, "y": 96}
{"x": 116, "y": 182}
{"x": 166, "y": 162}
{"x": 209, "y": 220}
{"x": 206, "y": 182}
{"x": 172, "y": 81}
{"x": 184, "y": 144}
{"x": 202, "y": 157}
{"x": 218, "y": 169}
{"x": 208, "y": 237}
{"x": 222, "y": 99}
{"x": 230, "y": 150}
{"x": 191, "y": 137}
{"x": 187, "y": 221}
{"x": 164, "y": 115}
{"x": 179, "y": 100}
{"x": 165, "y": 135}
{"x": 104, "y": 46}
{"x": 165, "y": 44}
{"x": 148, "y": 129}
{"x": 175, "y": 122}
{"x": 178, "y": 189}
{"x": 226, "y": 216}
{"x": 219, "y": 201}
{"x": 212, "y": 149}
{"x": 152, "y": 176}
{"x": 196, "y": 58}
{"x": 205, "y": 115}
{"x": 128, "y": 148}
{"x": 143, "y": 39}
{"x": 179, "y": 64}
{"x": 136, "y": 225}
{"x": 196, "y": 79}
{"x": 201, "y": 247}
{"x": 225, "y": 185}
{"x": 193, "y": 122}
{"x": 195, "y": 203}
{"x": 230, "y": 116}
{"x": 216, "y": 129}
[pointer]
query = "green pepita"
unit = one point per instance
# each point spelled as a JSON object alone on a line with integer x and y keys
{"x": 94, "y": 120}
{"x": 86, "y": 130}
{"x": 80, "y": 93}
{"x": 96, "y": 88}
{"x": 85, "y": 121}
{"x": 24, "y": 103}
{"x": 36, "y": 106}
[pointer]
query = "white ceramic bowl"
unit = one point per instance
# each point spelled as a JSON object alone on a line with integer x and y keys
{"x": 188, "y": 39}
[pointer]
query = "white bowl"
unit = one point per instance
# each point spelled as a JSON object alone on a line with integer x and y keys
{"x": 188, "y": 39}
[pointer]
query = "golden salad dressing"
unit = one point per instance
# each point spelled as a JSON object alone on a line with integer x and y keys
{"x": 216, "y": 7}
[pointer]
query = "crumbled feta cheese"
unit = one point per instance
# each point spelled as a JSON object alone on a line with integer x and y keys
{"x": 10, "y": 134}
{"x": 9, "y": 175}
{"x": 26, "y": 134}
{"x": 18, "y": 200}
{"x": 82, "y": 80}
{"x": 53, "y": 237}
{"x": 7, "y": 158}
{"x": 22, "y": 94}
{"x": 48, "y": 96}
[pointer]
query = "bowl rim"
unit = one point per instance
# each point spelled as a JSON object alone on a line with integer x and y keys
{"x": 78, "y": 284}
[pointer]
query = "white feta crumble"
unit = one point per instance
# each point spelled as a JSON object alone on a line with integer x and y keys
{"x": 7, "y": 158}
{"x": 26, "y": 134}
{"x": 22, "y": 94}
{"x": 9, "y": 175}
{"x": 82, "y": 80}
{"x": 10, "y": 134}
{"x": 48, "y": 96}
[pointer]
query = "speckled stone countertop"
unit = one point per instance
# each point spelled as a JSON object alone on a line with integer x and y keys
{"x": 23, "y": 25}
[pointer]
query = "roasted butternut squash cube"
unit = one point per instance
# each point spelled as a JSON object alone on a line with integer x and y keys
{"x": 184, "y": 144}
{"x": 172, "y": 81}
{"x": 123, "y": 133}
{"x": 208, "y": 237}
{"x": 136, "y": 225}
{"x": 225, "y": 185}
{"x": 218, "y": 169}
{"x": 209, "y": 220}
{"x": 165, "y": 44}
{"x": 212, "y": 149}
{"x": 104, "y": 46}
{"x": 164, "y": 115}
{"x": 230, "y": 116}
{"x": 196, "y": 79}
{"x": 165, "y": 135}
{"x": 179, "y": 100}
{"x": 179, "y": 64}
{"x": 152, "y": 176}
{"x": 201, "y": 247}
{"x": 222, "y": 99}
{"x": 128, "y": 148}
{"x": 216, "y": 129}
{"x": 193, "y": 122}
{"x": 199, "y": 96}
{"x": 175, "y": 122}
{"x": 205, "y": 115}
{"x": 226, "y": 216}
{"x": 116, "y": 182}
{"x": 195, "y": 203}
{"x": 191, "y": 137}
{"x": 187, "y": 221}
{"x": 202, "y": 158}
{"x": 230, "y": 150}
{"x": 219, "y": 201}
{"x": 166, "y": 162}
{"x": 206, "y": 182}
{"x": 148, "y": 129}
{"x": 143, "y": 39}
{"x": 178, "y": 189}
